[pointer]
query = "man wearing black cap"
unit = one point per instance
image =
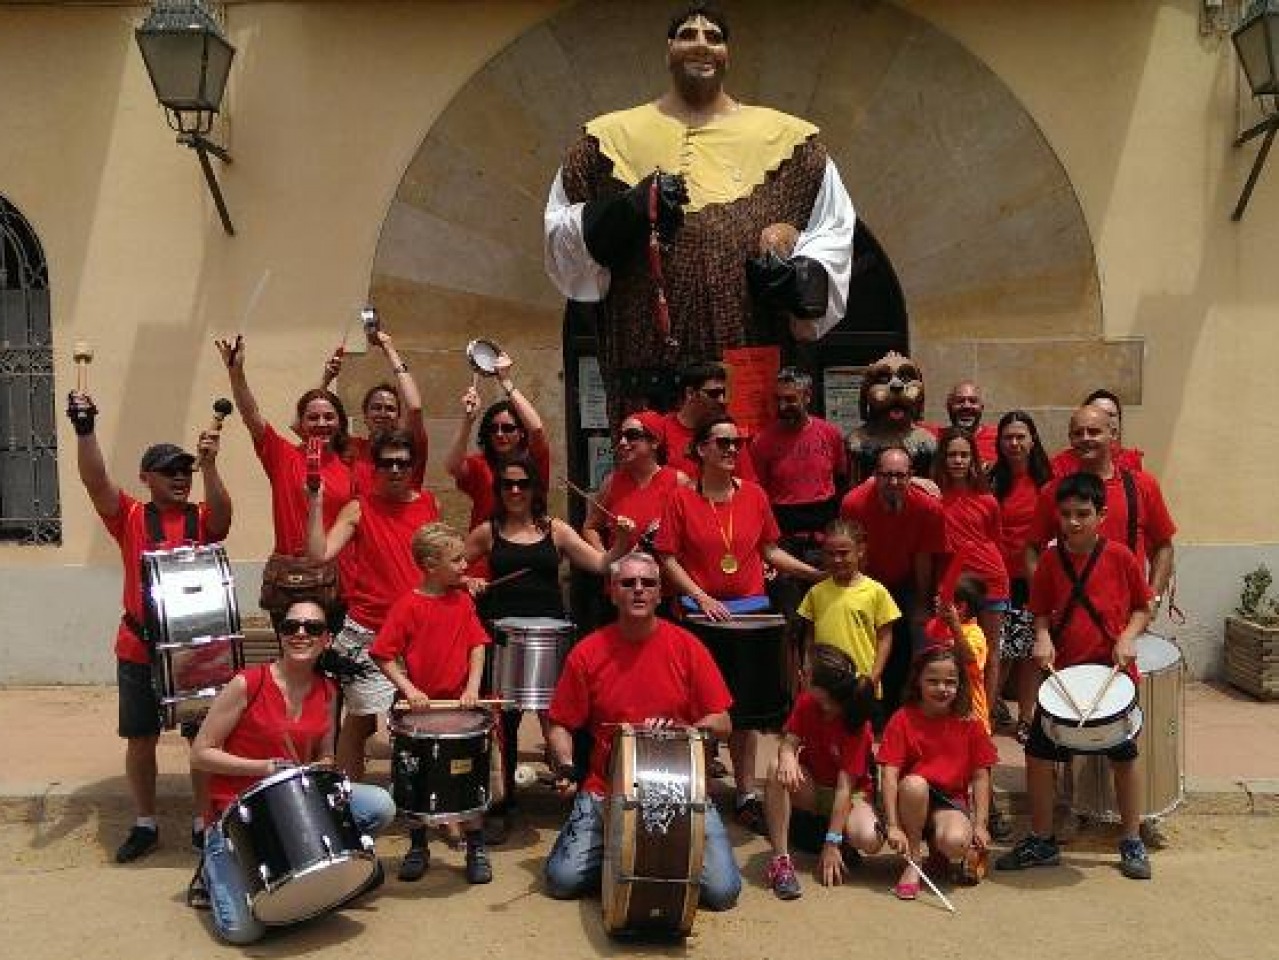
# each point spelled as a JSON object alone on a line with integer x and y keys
{"x": 166, "y": 471}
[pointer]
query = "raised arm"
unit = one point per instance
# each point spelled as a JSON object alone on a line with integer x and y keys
{"x": 216, "y": 496}
{"x": 582, "y": 554}
{"x": 322, "y": 547}
{"x": 523, "y": 407}
{"x": 103, "y": 491}
{"x": 455, "y": 459}
{"x": 232, "y": 352}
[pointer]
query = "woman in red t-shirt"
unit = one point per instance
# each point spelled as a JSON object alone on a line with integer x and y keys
{"x": 935, "y": 762}
{"x": 269, "y": 718}
{"x": 973, "y": 535}
{"x": 1020, "y": 469}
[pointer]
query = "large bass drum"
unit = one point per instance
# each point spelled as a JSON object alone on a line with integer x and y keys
{"x": 655, "y": 831}
{"x": 1162, "y": 698}
{"x": 296, "y": 840}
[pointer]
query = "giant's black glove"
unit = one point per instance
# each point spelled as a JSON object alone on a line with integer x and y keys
{"x": 799, "y": 285}
{"x": 81, "y": 415}
{"x": 613, "y": 227}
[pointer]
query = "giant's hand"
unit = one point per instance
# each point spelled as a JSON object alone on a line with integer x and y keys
{"x": 614, "y": 227}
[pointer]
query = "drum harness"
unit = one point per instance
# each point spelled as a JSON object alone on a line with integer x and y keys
{"x": 1078, "y": 581}
{"x": 156, "y": 541}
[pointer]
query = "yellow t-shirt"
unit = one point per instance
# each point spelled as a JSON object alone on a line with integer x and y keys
{"x": 849, "y": 618}
{"x": 975, "y": 638}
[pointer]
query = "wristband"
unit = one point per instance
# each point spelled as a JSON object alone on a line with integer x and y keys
{"x": 833, "y": 837}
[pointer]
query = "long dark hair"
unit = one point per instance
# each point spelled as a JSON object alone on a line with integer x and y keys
{"x": 833, "y": 671}
{"x": 976, "y": 479}
{"x": 486, "y": 431}
{"x": 962, "y": 705}
{"x": 344, "y": 424}
{"x": 1037, "y": 465}
{"x": 537, "y": 494}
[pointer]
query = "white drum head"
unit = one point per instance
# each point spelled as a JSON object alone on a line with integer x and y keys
{"x": 1084, "y": 681}
{"x": 1156, "y": 654}
{"x": 540, "y": 624}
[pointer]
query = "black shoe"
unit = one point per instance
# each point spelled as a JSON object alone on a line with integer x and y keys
{"x": 1032, "y": 851}
{"x": 139, "y": 842}
{"x": 197, "y": 840}
{"x": 415, "y": 863}
{"x": 478, "y": 867}
{"x": 497, "y": 827}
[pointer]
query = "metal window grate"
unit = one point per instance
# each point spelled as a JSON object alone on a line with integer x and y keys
{"x": 29, "y": 509}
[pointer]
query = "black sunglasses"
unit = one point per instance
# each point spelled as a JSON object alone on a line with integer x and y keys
{"x": 632, "y": 583}
{"x": 393, "y": 463}
{"x": 313, "y": 628}
{"x": 727, "y": 443}
{"x": 175, "y": 470}
{"x": 504, "y": 428}
{"x": 634, "y": 435}
{"x": 514, "y": 483}
{"x": 714, "y": 393}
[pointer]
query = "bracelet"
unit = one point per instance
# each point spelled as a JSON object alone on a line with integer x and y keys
{"x": 833, "y": 837}
{"x": 400, "y": 367}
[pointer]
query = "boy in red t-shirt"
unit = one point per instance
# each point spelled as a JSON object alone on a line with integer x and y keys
{"x": 435, "y": 633}
{"x": 1091, "y": 602}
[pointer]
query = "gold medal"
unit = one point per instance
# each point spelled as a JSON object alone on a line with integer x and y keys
{"x": 728, "y": 563}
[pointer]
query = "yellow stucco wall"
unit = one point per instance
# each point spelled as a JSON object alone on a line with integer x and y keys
{"x": 328, "y": 102}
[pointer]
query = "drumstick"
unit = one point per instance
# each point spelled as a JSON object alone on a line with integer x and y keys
{"x": 931, "y": 886}
{"x": 1065, "y": 691}
{"x": 514, "y": 575}
{"x": 588, "y": 498}
{"x": 1096, "y": 701}
{"x": 82, "y": 354}
{"x": 252, "y": 303}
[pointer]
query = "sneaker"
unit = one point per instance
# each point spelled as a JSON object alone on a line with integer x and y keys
{"x": 197, "y": 841}
{"x": 415, "y": 863}
{"x": 781, "y": 877}
{"x": 1032, "y": 851}
{"x": 139, "y": 842}
{"x": 1133, "y": 862}
{"x": 479, "y": 869}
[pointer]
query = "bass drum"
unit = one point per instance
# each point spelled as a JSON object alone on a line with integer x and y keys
{"x": 295, "y": 838}
{"x": 654, "y": 831}
{"x": 189, "y": 593}
{"x": 1160, "y": 768}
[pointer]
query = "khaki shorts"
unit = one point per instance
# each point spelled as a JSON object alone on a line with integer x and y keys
{"x": 370, "y": 694}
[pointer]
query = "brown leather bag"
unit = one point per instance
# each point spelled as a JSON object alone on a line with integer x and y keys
{"x": 287, "y": 579}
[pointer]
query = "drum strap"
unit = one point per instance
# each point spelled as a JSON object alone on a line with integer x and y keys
{"x": 1078, "y": 582}
{"x": 1132, "y": 505}
{"x": 155, "y": 529}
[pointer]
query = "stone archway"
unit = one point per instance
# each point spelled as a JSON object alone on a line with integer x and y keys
{"x": 962, "y": 190}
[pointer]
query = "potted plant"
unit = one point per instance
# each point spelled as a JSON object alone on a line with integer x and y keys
{"x": 1252, "y": 638}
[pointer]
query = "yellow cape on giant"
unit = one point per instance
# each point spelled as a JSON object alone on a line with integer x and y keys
{"x": 722, "y": 161}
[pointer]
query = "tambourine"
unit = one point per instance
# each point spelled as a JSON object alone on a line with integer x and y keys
{"x": 482, "y": 356}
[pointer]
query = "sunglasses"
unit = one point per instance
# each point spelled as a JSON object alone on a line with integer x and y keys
{"x": 635, "y": 583}
{"x": 633, "y": 435}
{"x": 899, "y": 477}
{"x": 714, "y": 393}
{"x": 393, "y": 463}
{"x": 504, "y": 428}
{"x": 313, "y": 628}
{"x": 521, "y": 483}
{"x": 175, "y": 470}
{"x": 726, "y": 444}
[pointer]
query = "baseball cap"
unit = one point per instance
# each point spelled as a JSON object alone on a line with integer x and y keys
{"x": 161, "y": 455}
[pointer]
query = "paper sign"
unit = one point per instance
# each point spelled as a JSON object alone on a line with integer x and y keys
{"x": 599, "y": 460}
{"x": 592, "y": 403}
{"x": 752, "y": 383}
{"x": 840, "y": 389}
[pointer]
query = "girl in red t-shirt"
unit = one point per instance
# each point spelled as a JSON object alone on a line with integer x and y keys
{"x": 973, "y": 535}
{"x": 823, "y": 773}
{"x": 935, "y": 763}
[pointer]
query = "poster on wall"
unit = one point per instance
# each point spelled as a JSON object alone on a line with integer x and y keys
{"x": 840, "y": 389}
{"x": 752, "y": 380}
{"x": 599, "y": 460}
{"x": 592, "y": 403}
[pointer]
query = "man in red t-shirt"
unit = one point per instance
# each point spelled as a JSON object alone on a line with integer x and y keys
{"x": 643, "y": 671}
{"x": 703, "y": 395}
{"x": 166, "y": 471}
{"x": 964, "y": 407}
{"x": 905, "y": 534}
{"x": 1147, "y": 531}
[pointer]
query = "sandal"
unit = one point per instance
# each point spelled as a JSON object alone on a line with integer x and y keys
{"x": 906, "y": 891}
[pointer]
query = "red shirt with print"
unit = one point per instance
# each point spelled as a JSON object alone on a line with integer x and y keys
{"x": 829, "y": 747}
{"x": 378, "y": 567}
{"x": 699, "y": 534}
{"x": 893, "y": 539}
{"x": 800, "y": 466}
{"x": 946, "y": 751}
{"x": 608, "y": 679}
{"x": 285, "y": 466}
{"x": 129, "y": 530}
{"x": 973, "y": 533}
{"x": 435, "y": 635}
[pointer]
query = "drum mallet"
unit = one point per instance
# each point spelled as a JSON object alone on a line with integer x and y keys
{"x": 82, "y": 354}
{"x": 222, "y": 408}
{"x": 1101, "y": 694}
{"x": 1065, "y": 691}
{"x": 526, "y": 775}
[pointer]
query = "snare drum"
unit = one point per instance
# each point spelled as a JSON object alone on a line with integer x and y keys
{"x": 654, "y": 831}
{"x": 295, "y": 838}
{"x": 1162, "y": 698}
{"x": 442, "y": 763}
{"x": 1114, "y": 720}
{"x": 527, "y": 666}
{"x": 750, "y": 653}
{"x": 189, "y": 675}
{"x": 189, "y": 593}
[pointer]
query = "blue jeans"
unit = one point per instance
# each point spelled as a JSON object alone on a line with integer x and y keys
{"x": 575, "y": 862}
{"x": 224, "y": 877}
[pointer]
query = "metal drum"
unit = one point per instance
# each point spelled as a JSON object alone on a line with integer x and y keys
{"x": 750, "y": 652}
{"x": 527, "y": 666}
{"x": 189, "y": 593}
{"x": 1113, "y": 720}
{"x": 442, "y": 763}
{"x": 296, "y": 840}
{"x": 654, "y": 831}
{"x": 1160, "y": 769}
{"x": 189, "y": 675}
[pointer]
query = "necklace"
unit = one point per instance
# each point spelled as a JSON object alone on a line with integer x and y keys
{"x": 728, "y": 562}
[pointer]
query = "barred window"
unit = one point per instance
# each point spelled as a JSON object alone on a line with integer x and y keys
{"x": 29, "y": 509}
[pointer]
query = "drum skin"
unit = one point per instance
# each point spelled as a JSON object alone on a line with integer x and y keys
{"x": 527, "y": 666}
{"x": 655, "y": 831}
{"x": 295, "y": 838}
{"x": 441, "y": 763}
{"x": 1111, "y": 723}
{"x": 1160, "y": 770}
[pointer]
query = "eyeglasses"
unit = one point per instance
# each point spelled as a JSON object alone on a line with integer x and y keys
{"x": 174, "y": 470}
{"x": 714, "y": 393}
{"x": 726, "y": 444}
{"x": 636, "y": 583}
{"x": 634, "y": 435}
{"x": 313, "y": 628}
{"x": 504, "y": 427}
{"x": 899, "y": 477}
{"x": 393, "y": 463}
{"x": 517, "y": 483}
